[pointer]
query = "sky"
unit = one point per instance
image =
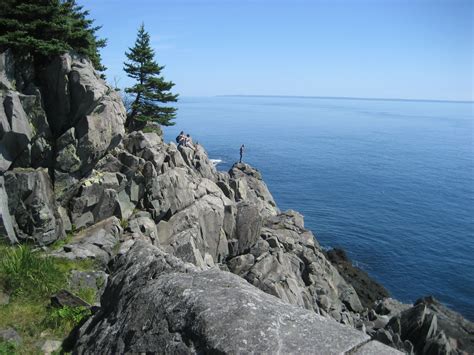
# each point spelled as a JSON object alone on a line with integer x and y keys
{"x": 411, "y": 49}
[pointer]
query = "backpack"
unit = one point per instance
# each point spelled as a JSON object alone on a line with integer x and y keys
{"x": 178, "y": 138}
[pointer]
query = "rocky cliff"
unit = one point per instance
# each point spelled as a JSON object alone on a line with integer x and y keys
{"x": 198, "y": 260}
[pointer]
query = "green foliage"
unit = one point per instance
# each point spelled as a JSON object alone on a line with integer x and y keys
{"x": 87, "y": 294}
{"x": 153, "y": 128}
{"x": 66, "y": 317}
{"x": 26, "y": 273}
{"x": 124, "y": 223}
{"x": 7, "y": 348}
{"x": 46, "y": 28}
{"x": 150, "y": 88}
{"x": 29, "y": 312}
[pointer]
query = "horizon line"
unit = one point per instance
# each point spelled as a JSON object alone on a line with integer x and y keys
{"x": 350, "y": 98}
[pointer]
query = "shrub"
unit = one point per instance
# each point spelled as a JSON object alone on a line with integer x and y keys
{"x": 66, "y": 317}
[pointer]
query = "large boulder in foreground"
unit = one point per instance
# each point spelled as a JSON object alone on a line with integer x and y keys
{"x": 32, "y": 207}
{"x": 154, "y": 303}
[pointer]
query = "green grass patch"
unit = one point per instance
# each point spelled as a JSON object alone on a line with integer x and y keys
{"x": 26, "y": 273}
{"x": 31, "y": 278}
{"x": 7, "y": 348}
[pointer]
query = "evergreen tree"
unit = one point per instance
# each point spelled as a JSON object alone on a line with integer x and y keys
{"x": 45, "y": 28}
{"x": 150, "y": 88}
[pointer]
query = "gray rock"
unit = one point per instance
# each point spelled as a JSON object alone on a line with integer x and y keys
{"x": 390, "y": 307}
{"x": 247, "y": 227}
{"x": 77, "y": 98}
{"x": 31, "y": 202}
{"x": 99, "y": 196}
{"x": 433, "y": 329}
{"x": 248, "y": 185}
{"x": 145, "y": 225}
{"x": 7, "y": 70}
{"x": 96, "y": 242}
{"x": 64, "y": 298}
{"x": 6, "y": 220}
{"x": 51, "y": 346}
{"x": 95, "y": 280}
{"x": 156, "y": 304}
{"x": 4, "y": 298}
{"x": 375, "y": 348}
{"x": 10, "y": 335}
{"x": 288, "y": 263}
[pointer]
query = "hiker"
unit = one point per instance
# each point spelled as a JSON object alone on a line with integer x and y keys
{"x": 241, "y": 152}
{"x": 181, "y": 138}
{"x": 188, "y": 142}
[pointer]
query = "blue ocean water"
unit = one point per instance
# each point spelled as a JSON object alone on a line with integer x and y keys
{"x": 392, "y": 182}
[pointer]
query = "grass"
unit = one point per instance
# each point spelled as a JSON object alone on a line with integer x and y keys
{"x": 7, "y": 348}
{"x": 31, "y": 278}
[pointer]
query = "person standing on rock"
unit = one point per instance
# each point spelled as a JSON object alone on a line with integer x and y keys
{"x": 180, "y": 139}
{"x": 242, "y": 147}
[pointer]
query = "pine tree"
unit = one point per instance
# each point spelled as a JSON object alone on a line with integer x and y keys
{"x": 45, "y": 28}
{"x": 150, "y": 88}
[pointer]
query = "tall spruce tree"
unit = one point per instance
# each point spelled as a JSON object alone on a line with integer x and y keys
{"x": 45, "y": 28}
{"x": 150, "y": 88}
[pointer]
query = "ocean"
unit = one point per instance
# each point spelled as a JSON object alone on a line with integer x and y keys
{"x": 390, "y": 181}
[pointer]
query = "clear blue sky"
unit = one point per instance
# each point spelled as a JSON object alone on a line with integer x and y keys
{"x": 358, "y": 48}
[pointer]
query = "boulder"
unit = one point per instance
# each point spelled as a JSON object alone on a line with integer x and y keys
{"x": 247, "y": 184}
{"x": 32, "y": 205}
{"x": 6, "y": 220}
{"x": 248, "y": 223}
{"x": 93, "y": 280}
{"x": 64, "y": 298}
{"x": 433, "y": 329}
{"x": 155, "y": 303}
{"x": 24, "y": 132}
{"x": 10, "y": 335}
{"x": 96, "y": 242}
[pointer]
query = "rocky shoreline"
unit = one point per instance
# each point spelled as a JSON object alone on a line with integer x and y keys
{"x": 196, "y": 260}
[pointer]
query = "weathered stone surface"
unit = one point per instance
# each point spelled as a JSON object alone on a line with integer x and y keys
{"x": 64, "y": 298}
{"x": 31, "y": 202}
{"x": 96, "y": 242}
{"x": 142, "y": 223}
{"x": 156, "y": 304}
{"x": 99, "y": 196}
{"x": 375, "y": 348}
{"x": 6, "y": 220}
{"x": 367, "y": 289}
{"x": 4, "y": 298}
{"x": 10, "y": 335}
{"x": 390, "y": 307}
{"x": 95, "y": 280}
{"x": 432, "y": 329}
{"x": 248, "y": 185}
{"x": 7, "y": 70}
{"x": 247, "y": 227}
{"x": 288, "y": 263}
{"x": 51, "y": 346}
{"x": 77, "y": 98}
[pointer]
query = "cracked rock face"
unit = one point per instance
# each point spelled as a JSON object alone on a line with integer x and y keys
{"x": 32, "y": 207}
{"x": 155, "y": 303}
{"x": 287, "y": 262}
